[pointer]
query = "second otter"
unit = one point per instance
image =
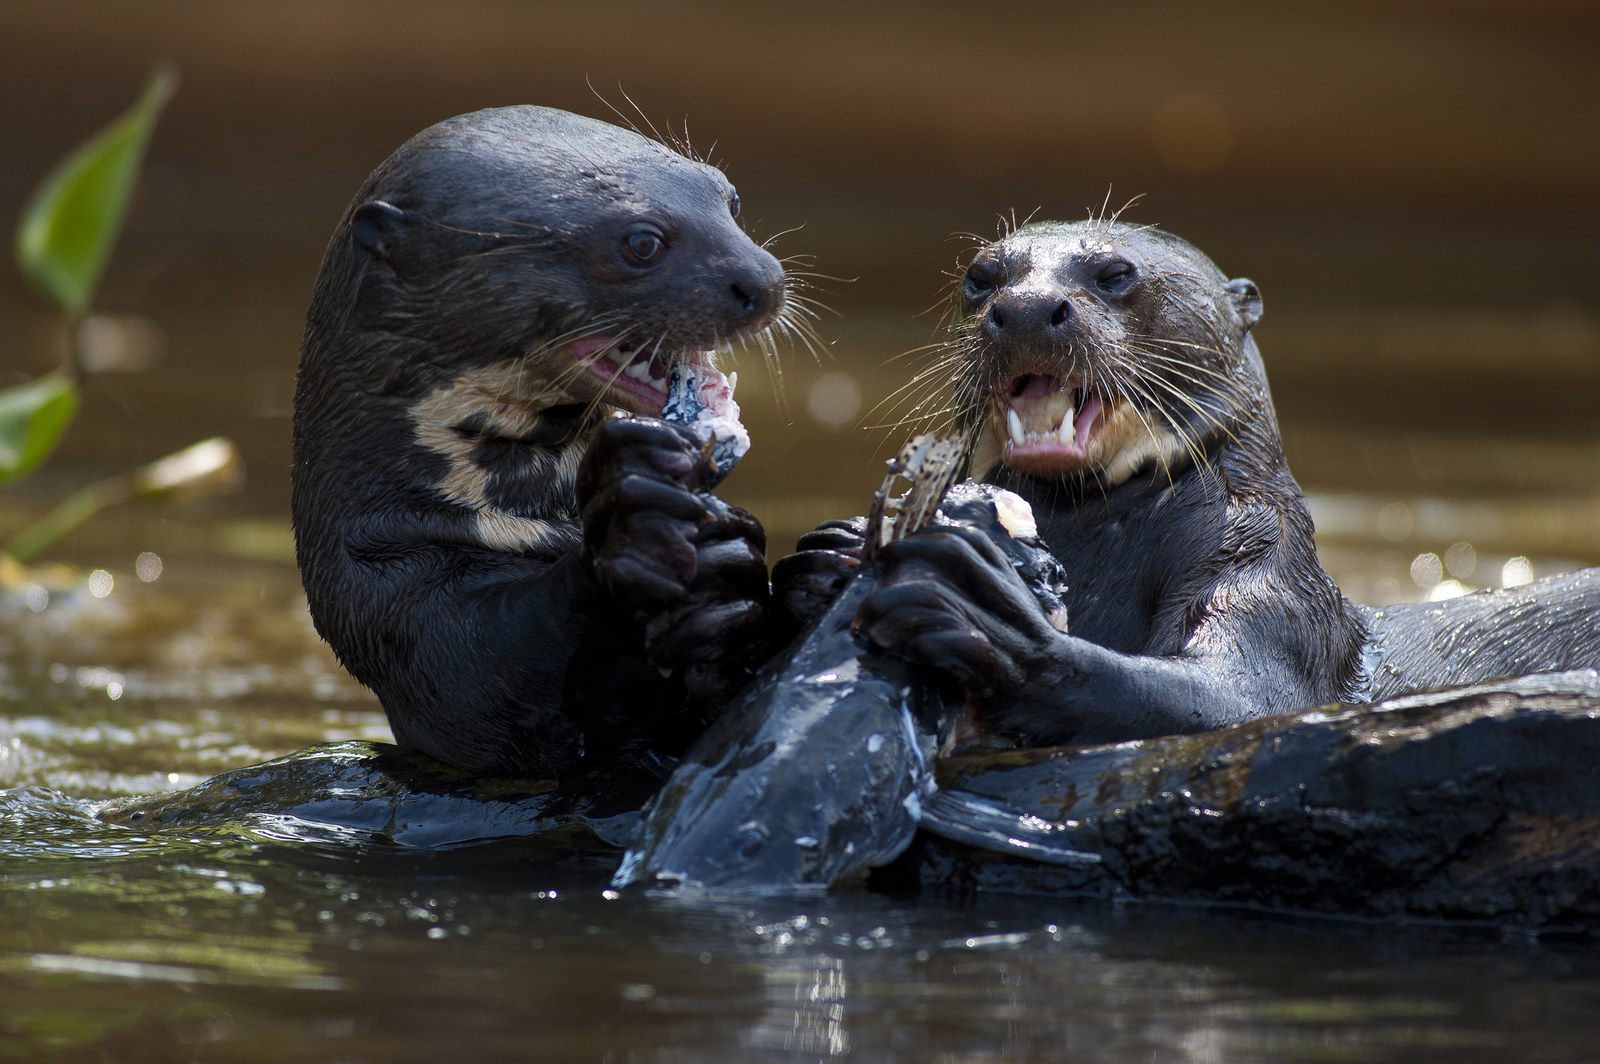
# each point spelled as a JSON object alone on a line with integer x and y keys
{"x": 1108, "y": 375}
{"x": 507, "y": 567}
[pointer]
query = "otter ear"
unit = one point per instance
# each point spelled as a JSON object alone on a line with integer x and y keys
{"x": 375, "y": 228}
{"x": 1246, "y": 300}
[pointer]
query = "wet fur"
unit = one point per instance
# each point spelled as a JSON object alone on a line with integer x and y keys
{"x": 1195, "y": 598}
{"x": 441, "y": 429}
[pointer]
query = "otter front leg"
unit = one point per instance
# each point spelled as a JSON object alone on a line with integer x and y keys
{"x": 689, "y": 563}
{"x": 949, "y": 599}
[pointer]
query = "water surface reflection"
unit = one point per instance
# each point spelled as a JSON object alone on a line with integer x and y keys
{"x": 214, "y": 948}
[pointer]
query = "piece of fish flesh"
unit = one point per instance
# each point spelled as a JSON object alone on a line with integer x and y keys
{"x": 701, "y": 398}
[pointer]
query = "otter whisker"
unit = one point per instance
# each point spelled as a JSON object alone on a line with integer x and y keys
{"x": 1136, "y": 368}
{"x": 1191, "y": 442}
{"x": 1203, "y": 377}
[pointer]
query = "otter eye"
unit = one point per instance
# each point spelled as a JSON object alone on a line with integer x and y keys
{"x": 643, "y": 246}
{"x": 983, "y": 277}
{"x": 733, "y": 203}
{"x": 1114, "y": 276}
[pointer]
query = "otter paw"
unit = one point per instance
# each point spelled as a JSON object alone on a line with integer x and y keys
{"x": 640, "y": 515}
{"x": 805, "y": 582}
{"x": 949, "y": 599}
{"x": 720, "y": 631}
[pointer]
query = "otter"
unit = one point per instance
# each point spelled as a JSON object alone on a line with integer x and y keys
{"x": 496, "y": 532}
{"x": 1107, "y": 374}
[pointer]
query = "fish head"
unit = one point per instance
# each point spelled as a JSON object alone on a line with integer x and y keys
{"x": 805, "y": 809}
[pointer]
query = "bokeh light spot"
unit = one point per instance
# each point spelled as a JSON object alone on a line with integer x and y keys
{"x": 1426, "y": 570}
{"x": 1461, "y": 560}
{"x": 1516, "y": 572}
{"x": 835, "y": 400}
{"x": 148, "y": 566}
{"x": 1394, "y": 522}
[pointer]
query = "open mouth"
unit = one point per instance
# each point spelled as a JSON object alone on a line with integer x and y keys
{"x": 637, "y": 378}
{"x": 1047, "y": 423}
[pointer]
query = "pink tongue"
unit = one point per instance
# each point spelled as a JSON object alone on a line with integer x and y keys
{"x": 1091, "y": 410}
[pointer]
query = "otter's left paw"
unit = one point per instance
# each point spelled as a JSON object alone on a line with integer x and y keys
{"x": 949, "y": 599}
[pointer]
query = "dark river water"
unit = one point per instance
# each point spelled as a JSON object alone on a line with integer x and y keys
{"x": 1411, "y": 185}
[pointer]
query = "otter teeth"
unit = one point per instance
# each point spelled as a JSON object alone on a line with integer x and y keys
{"x": 1068, "y": 431}
{"x": 1065, "y": 433}
{"x": 1014, "y": 424}
{"x": 640, "y": 371}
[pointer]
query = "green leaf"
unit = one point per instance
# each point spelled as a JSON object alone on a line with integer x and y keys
{"x": 71, "y": 224}
{"x": 33, "y": 417}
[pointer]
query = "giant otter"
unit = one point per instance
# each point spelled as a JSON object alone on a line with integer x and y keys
{"x": 1107, "y": 374}
{"x": 519, "y": 576}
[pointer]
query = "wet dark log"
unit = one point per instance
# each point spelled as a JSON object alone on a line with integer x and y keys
{"x": 1476, "y": 804}
{"x": 366, "y": 793}
{"x": 1481, "y": 804}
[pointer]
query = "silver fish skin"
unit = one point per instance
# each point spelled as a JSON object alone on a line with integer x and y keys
{"x": 816, "y": 772}
{"x": 701, "y": 398}
{"x": 823, "y": 765}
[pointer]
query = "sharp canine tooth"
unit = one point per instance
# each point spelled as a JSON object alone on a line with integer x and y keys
{"x": 733, "y": 382}
{"x": 1014, "y": 424}
{"x": 1068, "y": 431}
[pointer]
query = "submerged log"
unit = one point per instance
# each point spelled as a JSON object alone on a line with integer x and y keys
{"x": 1478, "y": 804}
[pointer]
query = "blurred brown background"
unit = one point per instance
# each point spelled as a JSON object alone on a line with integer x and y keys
{"x": 1412, "y": 184}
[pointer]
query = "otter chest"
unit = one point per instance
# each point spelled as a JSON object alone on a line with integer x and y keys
{"x": 1132, "y": 560}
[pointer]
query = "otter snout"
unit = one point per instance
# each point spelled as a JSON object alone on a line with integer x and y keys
{"x": 1029, "y": 316}
{"x": 754, "y": 290}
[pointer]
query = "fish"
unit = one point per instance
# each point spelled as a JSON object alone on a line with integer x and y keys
{"x": 823, "y": 765}
{"x": 701, "y": 399}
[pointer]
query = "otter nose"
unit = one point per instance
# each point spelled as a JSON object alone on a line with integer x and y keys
{"x": 755, "y": 287}
{"x": 1027, "y": 315}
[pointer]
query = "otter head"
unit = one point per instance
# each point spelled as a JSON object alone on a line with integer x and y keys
{"x": 1096, "y": 349}
{"x": 580, "y": 259}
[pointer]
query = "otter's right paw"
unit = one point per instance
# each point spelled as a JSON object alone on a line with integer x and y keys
{"x": 719, "y": 633}
{"x": 805, "y": 582}
{"x": 640, "y": 515}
